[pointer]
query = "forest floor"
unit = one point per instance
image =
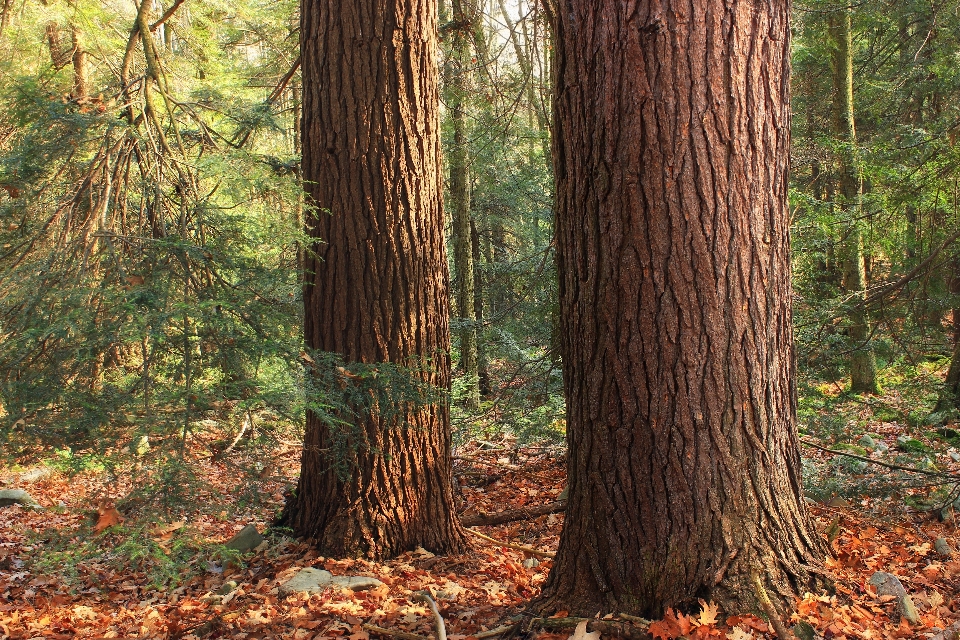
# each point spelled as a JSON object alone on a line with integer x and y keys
{"x": 60, "y": 578}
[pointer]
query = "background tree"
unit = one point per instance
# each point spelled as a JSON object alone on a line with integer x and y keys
{"x": 376, "y": 280}
{"x": 671, "y": 156}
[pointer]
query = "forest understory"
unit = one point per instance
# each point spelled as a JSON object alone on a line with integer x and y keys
{"x": 71, "y": 568}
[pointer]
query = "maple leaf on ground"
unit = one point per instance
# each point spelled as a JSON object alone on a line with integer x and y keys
{"x": 708, "y": 615}
{"x": 581, "y": 633}
{"x": 740, "y": 634}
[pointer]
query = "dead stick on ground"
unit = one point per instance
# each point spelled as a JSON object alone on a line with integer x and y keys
{"x": 517, "y": 547}
{"x": 514, "y": 514}
{"x": 771, "y": 612}
{"x": 393, "y": 633}
{"x": 508, "y": 467}
{"x": 494, "y": 632}
{"x": 441, "y": 627}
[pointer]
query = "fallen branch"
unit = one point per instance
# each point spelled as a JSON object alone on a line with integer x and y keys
{"x": 492, "y": 633}
{"x": 438, "y": 619}
{"x": 514, "y": 514}
{"x": 892, "y": 287}
{"x": 393, "y": 633}
{"x": 889, "y": 465}
{"x": 504, "y": 465}
{"x": 517, "y": 547}
{"x": 614, "y": 627}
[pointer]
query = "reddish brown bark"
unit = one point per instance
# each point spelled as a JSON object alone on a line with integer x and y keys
{"x": 376, "y": 288}
{"x": 671, "y": 156}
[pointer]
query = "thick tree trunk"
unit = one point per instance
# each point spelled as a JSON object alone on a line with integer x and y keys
{"x": 376, "y": 285}
{"x": 457, "y": 88}
{"x": 863, "y": 364}
{"x": 671, "y": 159}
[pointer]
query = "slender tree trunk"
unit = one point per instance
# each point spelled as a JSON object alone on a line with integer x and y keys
{"x": 81, "y": 81}
{"x": 671, "y": 160}
{"x": 483, "y": 373}
{"x": 457, "y": 89}
{"x": 863, "y": 364}
{"x": 376, "y": 285}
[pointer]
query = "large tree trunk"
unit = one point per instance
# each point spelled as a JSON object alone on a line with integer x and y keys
{"x": 671, "y": 160}
{"x": 376, "y": 285}
{"x": 863, "y": 364}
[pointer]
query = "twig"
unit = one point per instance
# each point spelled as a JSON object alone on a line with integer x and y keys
{"x": 771, "y": 612}
{"x": 492, "y": 633}
{"x": 510, "y": 467}
{"x": 517, "y": 547}
{"x": 514, "y": 514}
{"x": 889, "y": 465}
{"x": 393, "y": 633}
{"x": 441, "y": 628}
{"x": 614, "y": 627}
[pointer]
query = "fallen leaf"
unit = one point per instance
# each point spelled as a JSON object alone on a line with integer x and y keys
{"x": 108, "y": 516}
{"x": 708, "y": 615}
{"x": 666, "y": 629}
{"x": 739, "y": 634}
{"x": 581, "y": 633}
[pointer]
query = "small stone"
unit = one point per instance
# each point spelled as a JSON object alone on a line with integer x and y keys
{"x": 943, "y": 547}
{"x": 888, "y": 584}
{"x": 35, "y": 475}
{"x": 531, "y": 563}
{"x": 312, "y": 580}
{"x": 867, "y": 442}
{"x": 908, "y": 610}
{"x": 804, "y": 631}
{"x": 227, "y": 587}
{"x": 881, "y": 447}
{"x": 356, "y": 583}
{"x": 16, "y": 496}
{"x": 307, "y": 580}
{"x": 246, "y": 539}
{"x": 954, "y": 455}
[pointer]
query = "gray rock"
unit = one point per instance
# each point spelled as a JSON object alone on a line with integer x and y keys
{"x": 531, "y": 563}
{"x": 881, "y": 447}
{"x": 888, "y": 584}
{"x": 312, "y": 580}
{"x": 35, "y": 475}
{"x": 227, "y": 587}
{"x": 16, "y": 496}
{"x": 867, "y": 442}
{"x": 247, "y": 539}
{"x": 805, "y": 631}
{"x": 356, "y": 583}
{"x": 954, "y": 455}
{"x": 943, "y": 547}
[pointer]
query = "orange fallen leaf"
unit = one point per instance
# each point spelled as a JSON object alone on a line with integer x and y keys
{"x": 108, "y": 516}
{"x": 709, "y": 613}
